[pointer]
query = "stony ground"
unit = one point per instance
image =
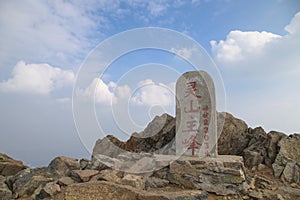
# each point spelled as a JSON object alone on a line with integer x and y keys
{"x": 266, "y": 166}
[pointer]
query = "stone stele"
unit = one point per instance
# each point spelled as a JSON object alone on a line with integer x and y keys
{"x": 196, "y": 127}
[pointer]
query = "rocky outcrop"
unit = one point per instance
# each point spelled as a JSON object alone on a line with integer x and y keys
{"x": 287, "y": 162}
{"x": 143, "y": 168}
{"x": 9, "y": 166}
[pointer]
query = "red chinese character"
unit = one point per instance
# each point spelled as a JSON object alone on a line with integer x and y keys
{"x": 205, "y": 115}
{"x": 192, "y": 89}
{"x": 191, "y": 125}
{"x": 205, "y": 108}
{"x": 205, "y": 129}
{"x": 192, "y": 109}
{"x": 206, "y": 123}
{"x": 192, "y": 143}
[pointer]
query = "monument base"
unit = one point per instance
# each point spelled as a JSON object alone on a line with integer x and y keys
{"x": 222, "y": 175}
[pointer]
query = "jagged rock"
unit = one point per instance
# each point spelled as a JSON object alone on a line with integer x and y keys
{"x": 5, "y": 192}
{"x": 65, "y": 181}
{"x": 287, "y": 161}
{"x": 109, "y": 175}
{"x": 62, "y": 166}
{"x": 272, "y": 146}
{"x": 48, "y": 190}
{"x": 211, "y": 174}
{"x": 84, "y": 163}
{"x": 153, "y": 182}
{"x": 106, "y": 191}
{"x": 136, "y": 181}
{"x": 24, "y": 183}
{"x": 9, "y": 166}
{"x": 83, "y": 175}
{"x": 256, "y": 151}
{"x": 234, "y": 137}
{"x": 156, "y": 136}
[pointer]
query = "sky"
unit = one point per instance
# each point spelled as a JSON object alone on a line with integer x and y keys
{"x": 45, "y": 46}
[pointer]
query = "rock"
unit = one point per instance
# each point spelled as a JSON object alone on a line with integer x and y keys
{"x": 83, "y": 175}
{"x": 49, "y": 190}
{"x": 256, "y": 152}
{"x": 272, "y": 146}
{"x": 137, "y": 181}
{"x": 5, "y": 192}
{"x": 24, "y": 183}
{"x": 84, "y": 163}
{"x": 291, "y": 173}
{"x": 210, "y": 174}
{"x": 156, "y": 136}
{"x": 153, "y": 182}
{"x": 107, "y": 191}
{"x": 65, "y": 181}
{"x": 62, "y": 166}
{"x": 287, "y": 162}
{"x": 109, "y": 175}
{"x": 256, "y": 194}
{"x": 9, "y": 166}
{"x": 234, "y": 137}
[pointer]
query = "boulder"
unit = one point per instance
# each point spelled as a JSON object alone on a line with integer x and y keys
{"x": 234, "y": 137}
{"x": 83, "y": 175}
{"x": 5, "y": 192}
{"x": 24, "y": 183}
{"x": 287, "y": 162}
{"x": 48, "y": 190}
{"x": 9, "y": 166}
{"x": 62, "y": 166}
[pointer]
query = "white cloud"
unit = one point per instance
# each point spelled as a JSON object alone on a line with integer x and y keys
{"x": 294, "y": 26}
{"x": 36, "y": 79}
{"x": 104, "y": 93}
{"x": 184, "y": 52}
{"x": 239, "y": 44}
{"x": 262, "y": 71}
{"x": 150, "y": 93}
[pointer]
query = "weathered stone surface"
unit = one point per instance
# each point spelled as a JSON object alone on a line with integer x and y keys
{"x": 84, "y": 163}
{"x": 83, "y": 175}
{"x": 153, "y": 182}
{"x": 5, "y": 192}
{"x": 234, "y": 137}
{"x": 196, "y": 126}
{"x": 24, "y": 183}
{"x": 136, "y": 181}
{"x": 287, "y": 162}
{"x": 48, "y": 190}
{"x": 108, "y": 175}
{"x": 108, "y": 191}
{"x": 208, "y": 174}
{"x": 9, "y": 166}
{"x": 65, "y": 181}
{"x": 62, "y": 166}
{"x": 273, "y": 147}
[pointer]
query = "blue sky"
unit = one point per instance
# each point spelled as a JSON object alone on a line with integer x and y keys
{"x": 255, "y": 45}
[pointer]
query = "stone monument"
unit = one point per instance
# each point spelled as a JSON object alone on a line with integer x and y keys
{"x": 196, "y": 126}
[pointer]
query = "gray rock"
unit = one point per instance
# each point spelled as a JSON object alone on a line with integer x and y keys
{"x": 62, "y": 166}
{"x": 9, "y": 166}
{"x": 234, "y": 137}
{"x": 287, "y": 161}
{"x": 5, "y": 192}
{"x": 153, "y": 182}
{"x": 24, "y": 183}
